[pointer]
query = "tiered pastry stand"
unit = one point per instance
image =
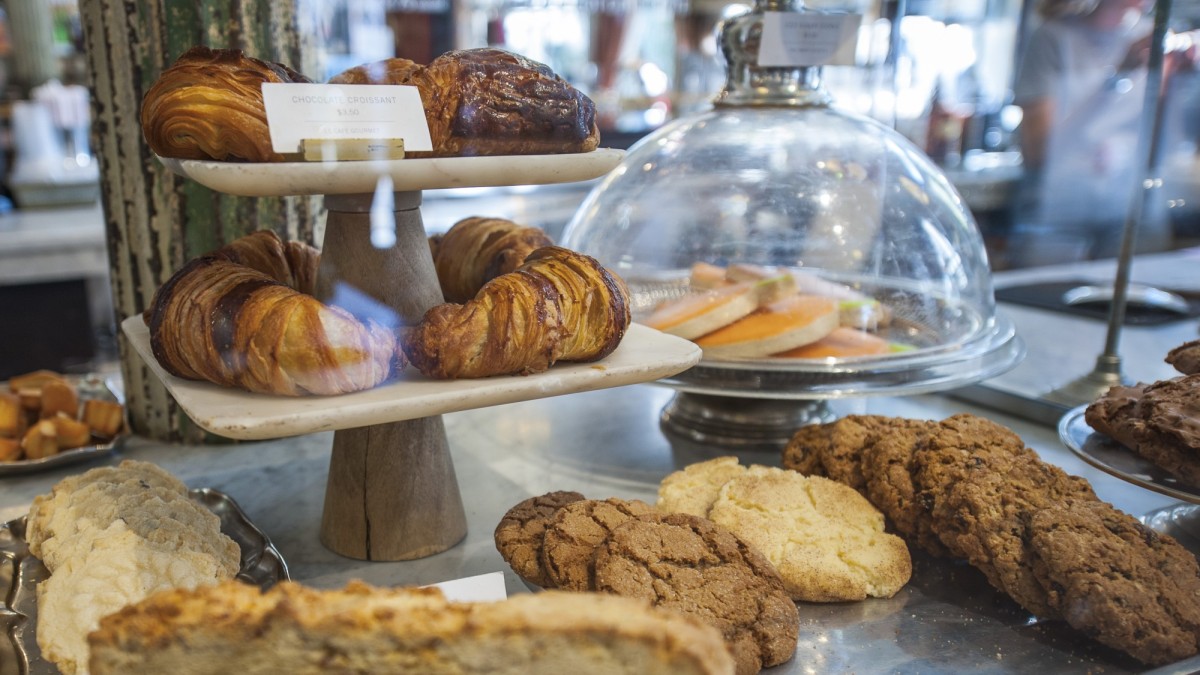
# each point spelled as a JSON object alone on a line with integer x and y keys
{"x": 392, "y": 493}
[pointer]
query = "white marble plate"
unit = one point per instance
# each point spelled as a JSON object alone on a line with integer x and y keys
{"x": 275, "y": 179}
{"x": 643, "y": 356}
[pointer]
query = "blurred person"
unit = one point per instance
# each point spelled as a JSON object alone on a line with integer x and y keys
{"x": 1081, "y": 85}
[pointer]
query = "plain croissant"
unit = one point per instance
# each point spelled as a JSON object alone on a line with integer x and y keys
{"x": 558, "y": 306}
{"x": 243, "y": 317}
{"x": 477, "y": 249}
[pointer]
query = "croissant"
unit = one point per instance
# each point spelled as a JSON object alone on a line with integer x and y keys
{"x": 558, "y": 306}
{"x": 491, "y": 102}
{"x": 209, "y": 105}
{"x": 242, "y": 317}
{"x": 475, "y": 250}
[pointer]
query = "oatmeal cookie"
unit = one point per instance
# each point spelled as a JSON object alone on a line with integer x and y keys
{"x": 1118, "y": 581}
{"x": 826, "y": 540}
{"x": 804, "y": 449}
{"x": 887, "y": 467}
{"x": 521, "y": 531}
{"x": 696, "y": 567}
{"x": 574, "y": 532}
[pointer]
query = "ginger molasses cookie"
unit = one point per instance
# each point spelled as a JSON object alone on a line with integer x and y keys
{"x": 694, "y": 488}
{"x": 521, "y": 532}
{"x": 700, "y": 569}
{"x": 985, "y": 520}
{"x": 887, "y": 467}
{"x": 573, "y": 534}
{"x": 826, "y": 540}
{"x": 1119, "y": 581}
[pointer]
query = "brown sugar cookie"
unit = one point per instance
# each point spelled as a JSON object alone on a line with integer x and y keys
{"x": 696, "y": 567}
{"x": 574, "y": 532}
{"x": 520, "y": 534}
{"x": 826, "y": 540}
{"x": 1118, "y": 581}
{"x": 694, "y": 488}
{"x": 985, "y": 520}
{"x": 887, "y": 467}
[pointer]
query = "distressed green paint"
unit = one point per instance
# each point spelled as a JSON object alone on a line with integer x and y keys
{"x": 156, "y": 221}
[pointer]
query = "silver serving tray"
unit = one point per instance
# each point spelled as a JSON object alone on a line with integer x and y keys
{"x": 89, "y": 386}
{"x": 20, "y": 572}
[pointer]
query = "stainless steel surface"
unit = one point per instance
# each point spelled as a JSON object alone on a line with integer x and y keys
{"x": 1106, "y": 454}
{"x": 20, "y": 572}
{"x": 741, "y": 423}
{"x": 88, "y": 386}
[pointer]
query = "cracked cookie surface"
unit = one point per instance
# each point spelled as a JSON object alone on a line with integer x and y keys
{"x": 521, "y": 532}
{"x": 573, "y": 534}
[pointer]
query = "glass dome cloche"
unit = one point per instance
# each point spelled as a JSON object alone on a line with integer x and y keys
{"x": 812, "y": 253}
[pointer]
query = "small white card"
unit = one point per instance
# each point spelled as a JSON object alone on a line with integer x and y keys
{"x": 790, "y": 39}
{"x": 481, "y": 588}
{"x": 298, "y": 112}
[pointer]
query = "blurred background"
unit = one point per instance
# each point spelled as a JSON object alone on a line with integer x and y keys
{"x": 946, "y": 74}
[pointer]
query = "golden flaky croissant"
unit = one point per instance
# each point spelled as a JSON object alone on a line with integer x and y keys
{"x": 558, "y": 306}
{"x": 242, "y": 317}
{"x": 209, "y": 105}
{"x": 489, "y": 101}
{"x": 476, "y": 250}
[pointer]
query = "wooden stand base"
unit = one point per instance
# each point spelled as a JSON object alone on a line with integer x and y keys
{"x": 392, "y": 493}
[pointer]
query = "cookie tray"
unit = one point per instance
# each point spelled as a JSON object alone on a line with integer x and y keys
{"x": 20, "y": 573}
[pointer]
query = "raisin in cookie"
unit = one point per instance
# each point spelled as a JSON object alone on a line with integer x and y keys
{"x": 694, "y": 488}
{"x": 521, "y": 532}
{"x": 1118, "y": 581}
{"x": 696, "y": 567}
{"x": 574, "y": 532}
{"x": 826, "y": 540}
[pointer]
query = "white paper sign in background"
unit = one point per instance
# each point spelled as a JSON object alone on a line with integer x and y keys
{"x": 790, "y": 39}
{"x": 296, "y": 112}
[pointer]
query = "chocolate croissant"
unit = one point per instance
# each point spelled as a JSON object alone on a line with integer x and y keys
{"x": 476, "y": 250}
{"x": 242, "y": 317}
{"x": 209, "y": 105}
{"x": 491, "y": 102}
{"x": 558, "y": 306}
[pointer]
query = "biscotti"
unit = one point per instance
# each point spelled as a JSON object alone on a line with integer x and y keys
{"x": 235, "y": 628}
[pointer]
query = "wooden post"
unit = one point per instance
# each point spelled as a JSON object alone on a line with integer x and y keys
{"x": 392, "y": 493}
{"x": 155, "y": 220}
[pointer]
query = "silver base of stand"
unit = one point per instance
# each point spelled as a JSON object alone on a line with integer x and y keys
{"x": 1104, "y": 376}
{"x": 734, "y": 424}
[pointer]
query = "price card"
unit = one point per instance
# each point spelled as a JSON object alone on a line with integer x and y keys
{"x": 308, "y": 112}
{"x": 792, "y": 39}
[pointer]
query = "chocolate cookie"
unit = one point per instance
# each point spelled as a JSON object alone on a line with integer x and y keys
{"x": 887, "y": 467}
{"x": 696, "y": 567}
{"x": 520, "y": 534}
{"x": 1185, "y": 358}
{"x": 804, "y": 449}
{"x": 573, "y": 534}
{"x": 1118, "y": 581}
{"x": 1170, "y": 410}
{"x": 985, "y": 515}
{"x": 1117, "y": 414}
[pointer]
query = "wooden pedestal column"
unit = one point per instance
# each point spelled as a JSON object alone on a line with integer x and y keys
{"x": 392, "y": 493}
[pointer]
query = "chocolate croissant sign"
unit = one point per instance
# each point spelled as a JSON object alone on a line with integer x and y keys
{"x": 299, "y": 112}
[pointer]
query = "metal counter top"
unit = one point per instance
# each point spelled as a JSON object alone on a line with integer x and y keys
{"x": 608, "y": 443}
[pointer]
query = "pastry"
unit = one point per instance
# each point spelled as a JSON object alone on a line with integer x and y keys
{"x": 209, "y": 105}
{"x": 1117, "y": 580}
{"x": 111, "y": 537}
{"x": 243, "y": 317}
{"x": 489, "y": 101}
{"x": 521, "y": 532}
{"x": 693, "y": 566}
{"x": 574, "y": 532}
{"x": 235, "y": 628}
{"x": 826, "y": 540}
{"x": 558, "y": 306}
{"x": 476, "y": 250}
